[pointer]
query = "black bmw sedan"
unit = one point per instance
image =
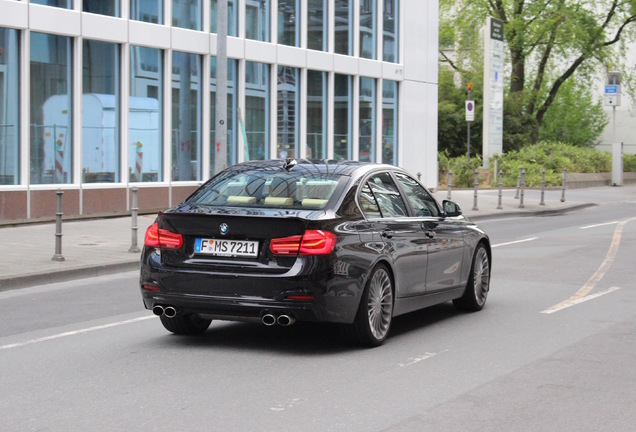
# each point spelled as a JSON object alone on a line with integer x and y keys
{"x": 277, "y": 242}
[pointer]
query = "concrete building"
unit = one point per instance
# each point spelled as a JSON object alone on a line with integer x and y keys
{"x": 98, "y": 96}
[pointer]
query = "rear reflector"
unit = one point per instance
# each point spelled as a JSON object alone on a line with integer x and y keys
{"x": 313, "y": 242}
{"x": 161, "y": 238}
{"x": 150, "y": 287}
{"x": 301, "y": 297}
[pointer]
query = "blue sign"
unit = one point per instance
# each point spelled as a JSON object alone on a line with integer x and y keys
{"x": 611, "y": 89}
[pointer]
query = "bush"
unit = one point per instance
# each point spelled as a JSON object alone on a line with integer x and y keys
{"x": 549, "y": 156}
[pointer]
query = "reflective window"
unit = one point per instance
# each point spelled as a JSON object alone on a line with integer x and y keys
{"x": 186, "y": 14}
{"x": 390, "y": 32}
{"x": 289, "y": 22}
{"x": 421, "y": 201}
{"x": 343, "y": 116}
{"x": 389, "y": 122}
{"x": 256, "y": 111}
{"x": 186, "y": 116}
{"x": 147, "y": 11}
{"x": 9, "y": 107}
{"x": 288, "y": 115}
{"x": 317, "y": 105}
{"x": 68, "y": 4}
{"x": 51, "y": 109}
{"x": 366, "y": 140}
{"x": 232, "y": 111}
{"x": 257, "y": 20}
{"x": 387, "y": 195}
{"x": 317, "y": 25}
{"x": 368, "y": 28}
{"x": 344, "y": 27}
{"x": 368, "y": 203}
{"x": 145, "y": 119}
{"x": 100, "y": 112}
{"x": 102, "y": 7}
{"x": 232, "y": 17}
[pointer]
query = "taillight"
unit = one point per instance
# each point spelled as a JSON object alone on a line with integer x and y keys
{"x": 161, "y": 238}
{"x": 313, "y": 242}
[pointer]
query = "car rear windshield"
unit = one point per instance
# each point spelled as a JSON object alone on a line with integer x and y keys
{"x": 268, "y": 189}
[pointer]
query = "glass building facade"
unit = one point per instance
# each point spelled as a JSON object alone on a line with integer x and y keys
{"x": 107, "y": 107}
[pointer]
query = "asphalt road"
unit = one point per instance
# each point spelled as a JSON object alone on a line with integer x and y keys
{"x": 553, "y": 350}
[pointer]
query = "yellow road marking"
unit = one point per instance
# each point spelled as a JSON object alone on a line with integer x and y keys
{"x": 598, "y": 274}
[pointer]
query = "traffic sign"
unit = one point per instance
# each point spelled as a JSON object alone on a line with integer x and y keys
{"x": 611, "y": 89}
{"x": 470, "y": 110}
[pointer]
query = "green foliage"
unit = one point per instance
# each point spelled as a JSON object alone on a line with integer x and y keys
{"x": 574, "y": 117}
{"x": 452, "y": 128}
{"x": 463, "y": 169}
{"x": 550, "y": 156}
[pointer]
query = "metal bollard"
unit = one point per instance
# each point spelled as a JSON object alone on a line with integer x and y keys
{"x": 450, "y": 184}
{"x": 565, "y": 171}
{"x": 518, "y": 183}
{"x": 58, "y": 228}
{"x": 499, "y": 206}
{"x": 522, "y": 187}
{"x": 476, "y": 183}
{"x": 542, "y": 188}
{"x": 134, "y": 212}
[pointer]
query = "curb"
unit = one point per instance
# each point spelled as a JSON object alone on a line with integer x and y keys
{"x": 12, "y": 283}
{"x": 526, "y": 213}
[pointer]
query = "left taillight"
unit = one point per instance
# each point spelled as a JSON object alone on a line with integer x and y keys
{"x": 161, "y": 238}
{"x": 312, "y": 242}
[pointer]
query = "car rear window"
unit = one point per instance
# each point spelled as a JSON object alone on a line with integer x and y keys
{"x": 267, "y": 189}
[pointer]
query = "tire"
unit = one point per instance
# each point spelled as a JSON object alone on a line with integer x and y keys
{"x": 185, "y": 324}
{"x": 373, "y": 319}
{"x": 478, "y": 285}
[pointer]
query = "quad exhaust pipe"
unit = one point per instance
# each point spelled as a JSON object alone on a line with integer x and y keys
{"x": 168, "y": 311}
{"x": 282, "y": 320}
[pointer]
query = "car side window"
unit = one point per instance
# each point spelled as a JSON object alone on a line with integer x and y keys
{"x": 387, "y": 195}
{"x": 422, "y": 202}
{"x": 368, "y": 203}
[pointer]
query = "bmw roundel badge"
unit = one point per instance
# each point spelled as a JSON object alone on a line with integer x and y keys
{"x": 223, "y": 228}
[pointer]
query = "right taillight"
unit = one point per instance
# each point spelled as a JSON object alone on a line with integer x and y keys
{"x": 161, "y": 238}
{"x": 312, "y": 242}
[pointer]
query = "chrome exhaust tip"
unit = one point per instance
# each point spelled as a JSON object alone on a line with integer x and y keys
{"x": 158, "y": 310}
{"x": 285, "y": 320}
{"x": 268, "y": 319}
{"x": 170, "y": 312}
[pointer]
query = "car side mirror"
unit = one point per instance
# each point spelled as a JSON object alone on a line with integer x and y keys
{"x": 451, "y": 209}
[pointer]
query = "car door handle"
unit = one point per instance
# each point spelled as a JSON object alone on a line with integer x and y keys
{"x": 387, "y": 233}
{"x": 429, "y": 234}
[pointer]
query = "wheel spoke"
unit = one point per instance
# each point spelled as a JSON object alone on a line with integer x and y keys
{"x": 380, "y": 304}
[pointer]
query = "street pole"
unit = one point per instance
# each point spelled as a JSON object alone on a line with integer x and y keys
{"x": 220, "y": 149}
{"x": 469, "y": 87}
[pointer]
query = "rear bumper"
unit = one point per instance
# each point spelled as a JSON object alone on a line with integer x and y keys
{"x": 247, "y": 297}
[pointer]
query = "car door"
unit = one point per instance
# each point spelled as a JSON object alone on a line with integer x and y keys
{"x": 444, "y": 236}
{"x": 384, "y": 207}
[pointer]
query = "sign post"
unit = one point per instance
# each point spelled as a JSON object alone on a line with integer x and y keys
{"x": 470, "y": 114}
{"x": 494, "y": 57}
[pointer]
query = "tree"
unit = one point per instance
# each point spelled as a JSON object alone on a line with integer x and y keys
{"x": 548, "y": 42}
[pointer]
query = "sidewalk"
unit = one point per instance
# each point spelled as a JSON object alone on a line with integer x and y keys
{"x": 101, "y": 246}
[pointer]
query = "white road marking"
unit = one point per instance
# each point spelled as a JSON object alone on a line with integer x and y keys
{"x": 291, "y": 404}
{"x": 75, "y": 332}
{"x": 575, "y": 301}
{"x": 414, "y": 360}
{"x": 599, "y": 225}
{"x": 515, "y": 242}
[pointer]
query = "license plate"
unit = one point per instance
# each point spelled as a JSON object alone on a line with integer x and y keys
{"x": 229, "y": 248}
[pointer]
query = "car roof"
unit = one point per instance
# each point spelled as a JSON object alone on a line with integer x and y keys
{"x": 312, "y": 166}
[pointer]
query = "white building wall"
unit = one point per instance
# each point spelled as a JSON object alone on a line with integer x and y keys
{"x": 418, "y": 109}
